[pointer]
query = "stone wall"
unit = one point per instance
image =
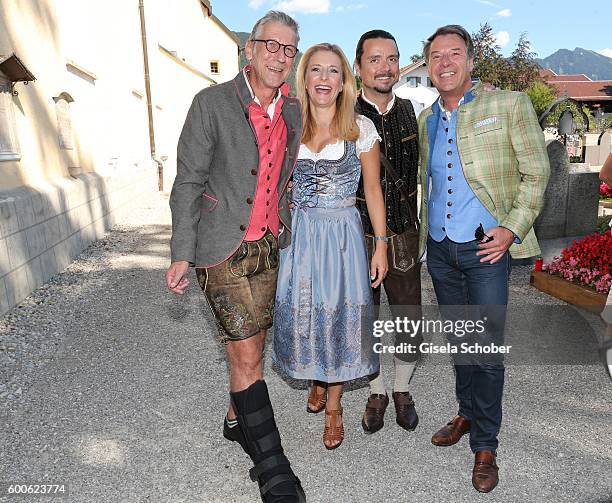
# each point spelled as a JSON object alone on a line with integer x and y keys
{"x": 571, "y": 197}
{"x": 43, "y": 230}
{"x": 599, "y": 146}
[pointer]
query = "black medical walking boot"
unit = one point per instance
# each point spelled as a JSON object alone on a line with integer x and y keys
{"x": 272, "y": 470}
{"x": 233, "y": 433}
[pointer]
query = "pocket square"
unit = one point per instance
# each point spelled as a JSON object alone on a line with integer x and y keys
{"x": 485, "y": 122}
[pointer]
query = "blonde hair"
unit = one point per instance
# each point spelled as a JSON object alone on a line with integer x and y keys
{"x": 344, "y": 126}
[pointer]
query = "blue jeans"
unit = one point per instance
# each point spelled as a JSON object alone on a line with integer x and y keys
{"x": 460, "y": 280}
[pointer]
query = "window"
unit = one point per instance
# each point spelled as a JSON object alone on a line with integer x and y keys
{"x": 429, "y": 84}
{"x": 9, "y": 148}
{"x": 214, "y": 67}
{"x": 64, "y": 122}
{"x": 412, "y": 81}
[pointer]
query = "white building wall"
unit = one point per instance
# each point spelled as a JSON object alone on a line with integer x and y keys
{"x": 54, "y": 202}
{"x": 182, "y": 42}
{"x": 420, "y": 73}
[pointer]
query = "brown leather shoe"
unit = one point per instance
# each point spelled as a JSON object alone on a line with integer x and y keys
{"x": 373, "y": 417}
{"x": 333, "y": 435}
{"x": 484, "y": 475}
{"x": 452, "y": 432}
{"x": 316, "y": 402}
{"x": 405, "y": 413}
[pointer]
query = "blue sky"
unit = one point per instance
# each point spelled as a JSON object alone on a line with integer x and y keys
{"x": 567, "y": 25}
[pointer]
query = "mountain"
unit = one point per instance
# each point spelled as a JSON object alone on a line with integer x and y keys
{"x": 594, "y": 65}
{"x": 243, "y": 36}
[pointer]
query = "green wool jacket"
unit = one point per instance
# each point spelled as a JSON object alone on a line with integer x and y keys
{"x": 504, "y": 160}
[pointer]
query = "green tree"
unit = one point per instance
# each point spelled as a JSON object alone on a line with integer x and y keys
{"x": 541, "y": 95}
{"x": 553, "y": 119}
{"x": 515, "y": 73}
{"x": 415, "y": 57}
{"x": 603, "y": 122}
{"x": 488, "y": 61}
{"x": 523, "y": 67}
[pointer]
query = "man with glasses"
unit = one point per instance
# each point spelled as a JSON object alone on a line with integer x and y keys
{"x": 484, "y": 170}
{"x": 274, "y": 46}
{"x": 230, "y": 216}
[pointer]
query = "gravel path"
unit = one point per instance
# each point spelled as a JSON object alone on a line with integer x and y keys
{"x": 116, "y": 388}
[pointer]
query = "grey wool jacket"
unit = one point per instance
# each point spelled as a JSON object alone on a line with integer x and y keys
{"x": 217, "y": 172}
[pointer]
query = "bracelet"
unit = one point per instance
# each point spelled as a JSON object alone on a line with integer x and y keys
{"x": 381, "y": 238}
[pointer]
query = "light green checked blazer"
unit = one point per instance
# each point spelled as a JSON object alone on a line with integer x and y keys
{"x": 504, "y": 160}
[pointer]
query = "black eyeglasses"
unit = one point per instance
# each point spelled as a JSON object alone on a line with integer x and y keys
{"x": 273, "y": 46}
{"x": 479, "y": 234}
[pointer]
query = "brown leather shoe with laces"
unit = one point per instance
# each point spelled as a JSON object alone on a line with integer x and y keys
{"x": 373, "y": 417}
{"x": 452, "y": 432}
{"x": 333, "y": 435}
{"x": 316, "y": 401}
{"x": 484, "y": 474}
{"x": 405, "y": 413}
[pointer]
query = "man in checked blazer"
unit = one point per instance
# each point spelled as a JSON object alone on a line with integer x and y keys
{"x": 483, "y": 171}
{"x": 230, "y": 215}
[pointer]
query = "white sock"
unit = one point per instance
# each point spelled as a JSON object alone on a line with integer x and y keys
{"x": 403, "y": 374}
{"x": 377, "y": 385}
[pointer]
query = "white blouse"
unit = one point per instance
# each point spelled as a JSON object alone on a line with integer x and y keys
{"x": 334, "y": 151}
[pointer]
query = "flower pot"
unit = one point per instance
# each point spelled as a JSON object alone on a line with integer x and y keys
{"x": 571, "y": 293}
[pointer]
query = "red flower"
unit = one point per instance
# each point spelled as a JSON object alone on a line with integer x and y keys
{"x": 588, "y": 262}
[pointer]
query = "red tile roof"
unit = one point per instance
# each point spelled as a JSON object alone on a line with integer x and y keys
{"x": 594, "y": 90}
{"x": 412, "y": 66}
{"x": 568, "y": 78}
{"x": 578, "y": 86}
{"x": 546, "y": 72}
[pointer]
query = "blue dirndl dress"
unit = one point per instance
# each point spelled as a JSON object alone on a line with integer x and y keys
{"x": 324, "y": 307}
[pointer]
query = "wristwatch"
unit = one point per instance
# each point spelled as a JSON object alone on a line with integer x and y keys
{"x": 381, "y": 238}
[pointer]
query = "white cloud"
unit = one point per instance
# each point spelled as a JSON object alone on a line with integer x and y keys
{"x": 304, "y": 6}
{"x": 606, "y": 52}
{"x": 486, "y": 2}
{"x": 502, "y": 38}
{"x": 256, "y": 4}
{"x": 504, "y": 13}
{"x": 340, "y": 8}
